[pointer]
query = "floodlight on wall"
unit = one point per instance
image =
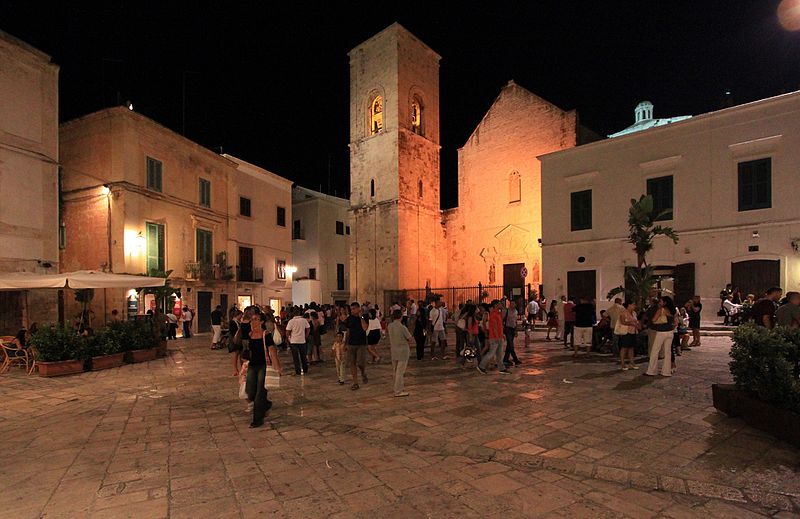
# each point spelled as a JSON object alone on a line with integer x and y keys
{"x": 755, "y": 234}
{"x": 291, "y": 269}
{"x": 106, "y": 189}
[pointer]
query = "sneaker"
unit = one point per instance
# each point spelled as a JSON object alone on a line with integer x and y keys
{"x": 634, "y": 366}
{"x": 481, "y": 370}
{"x": 401, "y": 394}
{"x": 505, "y": 372}
{"x": 434, "y": 358}
{"x": 341, "y": 382}
{"x": 624, "y": 368}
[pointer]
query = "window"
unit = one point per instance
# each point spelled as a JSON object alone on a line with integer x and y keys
{"x": 312, "y": 273}
{"x": 372, "y": 187}
{"x": 755, "y": 184}
{"x": 205, "y": 192}
{"x": 280, "y": 267}
{"x": 339, "y": 227}
{"x": 661, "y": 190}
{"x": 340, "y": 276}
{"x": 419, "y": 188}
{"x": 376, "y": 116}
{"x": 244, "y": 206}
{"x": 347, "y": 230}
{"x": 281, "y": 217}
{"x": 155, "y": 247}
{"x": 514, "y": 187}
{"x": 153, "y": 174}
{"x": 204, "y": 246}
{"x": 297, "y": 230}
{"x": 581, "y": 210}
{"x": 416, "y": 116}
{"x": 246, "y": 264}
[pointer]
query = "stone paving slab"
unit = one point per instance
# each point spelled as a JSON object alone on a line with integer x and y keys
{"x": 558, "y": 438}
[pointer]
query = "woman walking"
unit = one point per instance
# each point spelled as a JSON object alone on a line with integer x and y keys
{"x": 552, "y": 319}
{"x": 373, "y": 336}
{"x": 262, "y": 354}
{"x": 662, "y": 324}
{"x": 471, "y": 342}
{"x": 235, "y": 341}
{"x": 627, "y": 330}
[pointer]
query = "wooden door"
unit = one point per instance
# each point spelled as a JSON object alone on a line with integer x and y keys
{"x": 513, "y": 282}
{"x": 10, "y": 312}
{"x": 684, "y": 283}
{"x": 755, "y": 276}
{"x": 582, "y": 283}
{"x": 203, "y": 312}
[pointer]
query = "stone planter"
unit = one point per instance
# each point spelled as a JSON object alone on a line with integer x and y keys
{"x": 780, "y": 423}
{"x": 107, "y": 361}
{"x": 63, "y": 367}
{"x": 134, "y": 356}
{"x": 161, "y": 349}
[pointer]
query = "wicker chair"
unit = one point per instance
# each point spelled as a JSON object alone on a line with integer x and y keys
{"x": 13, "y": 354}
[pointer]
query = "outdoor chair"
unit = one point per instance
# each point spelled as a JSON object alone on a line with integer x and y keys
{"x": 13, "y": 354}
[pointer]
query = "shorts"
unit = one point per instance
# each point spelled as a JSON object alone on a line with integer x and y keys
{"x": 374, "y": 337}
{"x": 627, "y": 341}
{"x": 357, "y": 355}
{"x": 583, "y": 335}
{"x": 217, "y": 333}
{"x": 531, "y": 318}
{"x": 438, "y": 335}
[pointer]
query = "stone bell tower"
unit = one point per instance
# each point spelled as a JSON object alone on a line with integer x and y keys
{"x": 397, "y": 239}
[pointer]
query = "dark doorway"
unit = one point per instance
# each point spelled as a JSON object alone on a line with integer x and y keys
{"x": 223, "y": 302}
{"x": 582, "y": 283}
{"x": 245, "y": 264}
{"x": 10, "y": 312}
{"x": 755, "y": 276}
{"x": 203, "y": 312}
{"x": 684, "y": 283}
{"x": 513, "y": 282}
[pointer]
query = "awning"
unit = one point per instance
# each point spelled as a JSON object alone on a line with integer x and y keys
{"x": 76, "y": 280}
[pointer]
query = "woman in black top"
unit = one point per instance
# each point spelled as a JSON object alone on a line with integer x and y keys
{"x": 262, "y": 353}
{"x": 233, "y": 347}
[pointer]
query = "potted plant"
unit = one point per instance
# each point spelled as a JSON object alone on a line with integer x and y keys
{"x": 137, "y": 340}
{"x": 60, "y": 351}
{"x": 104, "y": 351}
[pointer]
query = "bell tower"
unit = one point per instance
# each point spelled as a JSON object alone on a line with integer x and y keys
{"x": 397, "y": 239}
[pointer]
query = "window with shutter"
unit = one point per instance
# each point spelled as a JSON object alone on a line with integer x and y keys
{"x": 581, "y": 210}
{"x": 204, "y": 246}
{"x": 205, "y": 193}
{"x": 154, "y": 180}
{"x": 155, "y": 247}
{"x": 755, "y": 184}
{"x": 661, "y": 190}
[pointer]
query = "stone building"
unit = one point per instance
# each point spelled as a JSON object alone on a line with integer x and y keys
{"x": 29, "y": 227}
{"x": 138, "y": 198}
{"x": 320, "y": 247}
{"x": 401, "y": 238}
{"x": 725, "y": 181}
{"x": 260, "y": 240}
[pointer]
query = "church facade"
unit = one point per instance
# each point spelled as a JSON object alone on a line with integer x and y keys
{"x": 401, "y": 239}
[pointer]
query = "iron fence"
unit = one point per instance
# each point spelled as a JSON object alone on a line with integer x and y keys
{"x": 452, "y": 296}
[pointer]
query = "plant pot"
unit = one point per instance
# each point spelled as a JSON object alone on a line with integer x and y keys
{"x": 62, "y": 367}
{"x": 161, "y": 349}
{"x": 780, "y": 423}
{"x": 134, "y": 356}
{"x": 107, "y": 361}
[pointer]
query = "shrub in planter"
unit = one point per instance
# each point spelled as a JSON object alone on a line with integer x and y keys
{"x": 765, "y": 363}
{"x": 60, "y": 350}
{"x": 104, "y": 351}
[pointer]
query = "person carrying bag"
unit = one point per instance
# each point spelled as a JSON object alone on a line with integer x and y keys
{"x": 260, "y": 360}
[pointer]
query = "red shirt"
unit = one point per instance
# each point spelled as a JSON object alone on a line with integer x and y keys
{"x": 569, "y": 312}
{"x": 495, "y": 324}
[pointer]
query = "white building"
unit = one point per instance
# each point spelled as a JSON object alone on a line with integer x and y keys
{"x": 28, "y": 178}
{"x": 260, "y": 209}
{"x": 320, "y": 247}
{"x": 729, "y": 179}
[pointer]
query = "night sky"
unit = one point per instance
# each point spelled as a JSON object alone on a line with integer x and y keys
{"x": 268, "y": 81}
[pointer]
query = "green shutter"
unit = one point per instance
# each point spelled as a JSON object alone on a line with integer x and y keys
{"x": 204, "y": 246}
{"x": 155, "y": 247}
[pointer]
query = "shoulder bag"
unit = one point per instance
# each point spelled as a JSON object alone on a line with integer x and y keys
{"x": 272, "y": 379}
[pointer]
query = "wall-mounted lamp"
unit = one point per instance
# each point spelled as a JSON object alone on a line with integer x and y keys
{"x": 106, "y": 189}
{"x": 755, "y": 234}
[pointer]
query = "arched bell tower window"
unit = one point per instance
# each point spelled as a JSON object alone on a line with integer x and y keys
{"x": 514, "y": 187}
{"x": 416, "y": 115}
{"x": 376, "y": 116}
{"x": 419, "y": 187}
{"x": 372, "y": 187}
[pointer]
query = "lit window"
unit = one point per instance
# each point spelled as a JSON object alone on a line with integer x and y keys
{"x": 376, "y": 116}
{"x": 416, "y": 116}
{"x": 514, "y": 187}
{"x": 280, "y": 267}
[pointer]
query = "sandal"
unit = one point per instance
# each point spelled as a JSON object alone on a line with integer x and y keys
{"x": 354, "y": 387}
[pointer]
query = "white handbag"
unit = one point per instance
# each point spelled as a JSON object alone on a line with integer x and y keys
{"x": 272, "y": 379}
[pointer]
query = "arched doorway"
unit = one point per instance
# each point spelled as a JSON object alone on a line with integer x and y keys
{"x": 755, "y": 276}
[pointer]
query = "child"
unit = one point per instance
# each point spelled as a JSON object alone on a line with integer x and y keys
{"x": 338, "y": 353}
{"x": 552, "y": 319}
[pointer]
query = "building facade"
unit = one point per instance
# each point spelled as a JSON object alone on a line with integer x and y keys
{"x": 29, "y": 226}
{"x": 260, "y": 210}
{"x": 401, "y": 240}
{"x": 724, "y": 181}
{"x": 320, "y": 247}
{"x": 139, "y": 198}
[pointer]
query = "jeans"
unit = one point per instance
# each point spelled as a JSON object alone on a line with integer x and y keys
{"x": 187, "y": 329}
{"x": 399, "y": 371}
{"x": 299, "y": 357}
{"x": 256, "y": 392}
{"x": 511, "y": 334}
{"x": 495, "y": 349}
{"x": 459, "y": 341}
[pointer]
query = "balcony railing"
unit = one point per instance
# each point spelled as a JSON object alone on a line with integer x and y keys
{"x": 195, "y": 270}
{"x": 250, "y": 275}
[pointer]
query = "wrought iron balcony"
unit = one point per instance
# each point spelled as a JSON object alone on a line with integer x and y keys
{"x": 249, "y": 275}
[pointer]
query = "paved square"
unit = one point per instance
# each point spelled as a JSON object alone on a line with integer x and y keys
{"x": 558, "y": 438}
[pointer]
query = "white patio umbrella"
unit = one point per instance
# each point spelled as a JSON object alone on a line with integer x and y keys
{"x": 76, "y": 280}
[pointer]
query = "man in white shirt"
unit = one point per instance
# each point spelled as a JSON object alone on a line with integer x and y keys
{"x": 298, "y": 329}
{"x": 533, "y": 311}
{"x": 613, "y": 314}
{"x": 437, "y": 317}
{"x": 560, "y": 311}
